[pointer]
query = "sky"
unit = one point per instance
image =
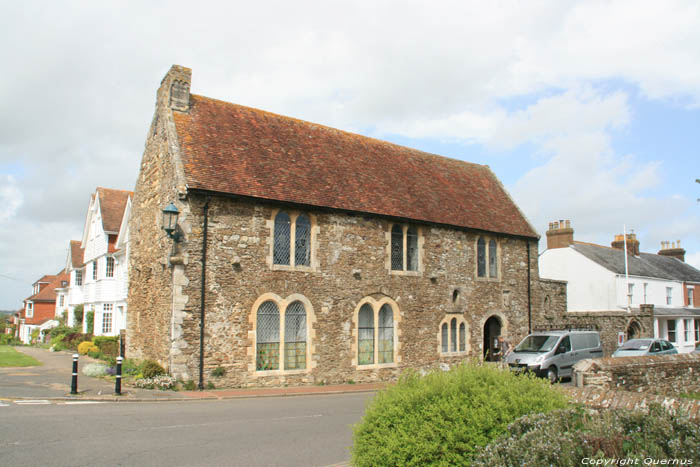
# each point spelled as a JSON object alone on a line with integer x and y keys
{"x": 588, "y": 111}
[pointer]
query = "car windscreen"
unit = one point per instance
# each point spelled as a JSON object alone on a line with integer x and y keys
{"x": 541, "y": 343}
{"x": 636, "y": 344}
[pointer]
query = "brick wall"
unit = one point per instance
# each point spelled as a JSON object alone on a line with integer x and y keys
{"x": 663, "y": 374}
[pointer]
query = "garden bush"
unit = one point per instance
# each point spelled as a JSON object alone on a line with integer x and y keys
{"x": 87, "y": 346}
{"x": 566, "y": 437}
{"x": 150, "y": 368}
{"x": 108, "y": 345}
{"x": 442, "y": 418}
{"x": 72, "y": 340}
{"x": 95, "y": 369}
{"x": 162, "y": 382}
{"x": 9, "y": 339}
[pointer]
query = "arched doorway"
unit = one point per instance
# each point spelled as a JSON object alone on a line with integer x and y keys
{"x": 634, "y": 330}
{"x": 492, "y": 329}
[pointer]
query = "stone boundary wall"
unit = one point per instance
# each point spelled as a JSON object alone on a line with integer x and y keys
{"x": 614, "y": 399}
{"x": 662, "y": 374}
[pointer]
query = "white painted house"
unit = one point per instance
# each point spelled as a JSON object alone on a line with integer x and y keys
{"x": 597, "y": 281}
{"x": 97, "y": 264}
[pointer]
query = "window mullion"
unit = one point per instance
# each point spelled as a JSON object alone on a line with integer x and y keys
{"x": 376, "y": 335}
{"x": 283, "y": 316}
{"x": 405, "y": 248}
{"x": 292, "y": 241}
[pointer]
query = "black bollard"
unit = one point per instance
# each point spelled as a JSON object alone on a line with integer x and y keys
{"x": 118, "y": 381}
{"x": 74, "y": 381}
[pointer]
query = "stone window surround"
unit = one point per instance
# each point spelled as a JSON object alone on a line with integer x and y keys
{"x": 447, "y": 320}
{"x": 293, "y": 214}
{"x": 421, "y": 241}
{"x": 499, "y": 255}
{"x": 376, "y": 306}
{"x": 282, "y": 304}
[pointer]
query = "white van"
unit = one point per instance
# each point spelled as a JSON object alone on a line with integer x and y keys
{"x": 554, "y": 353}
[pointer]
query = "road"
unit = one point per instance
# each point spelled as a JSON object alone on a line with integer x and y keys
{"x": 272, "y": 431}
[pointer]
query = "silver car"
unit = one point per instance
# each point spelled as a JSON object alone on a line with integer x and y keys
{"x": 554, "y": 353}
{"x": 639, "y": 347}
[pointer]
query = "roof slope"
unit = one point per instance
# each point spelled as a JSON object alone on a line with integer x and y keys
{"x": 112, "y": 204}
{"x": 233, "y": 149}
{"x": 48, "y": 293}
{"x": 646, "y": 264}
{"x": 76, "y": 253}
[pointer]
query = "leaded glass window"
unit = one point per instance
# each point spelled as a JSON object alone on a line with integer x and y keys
{"x": 453, "y": 335}
{"x": 365, "y": 336}
{"x": 386, "y": 334}
{"x": 493, "y": 257}
{"x": 412, "y": 249}
{"x": 268, "y": 337}
{"x": 295, "y": 337}
{"x": 462, "y": 337}
{"x": 444, "y": 337}
{"x": 481, "y": 257}
{"x": 397, "y": 248}
{"x": 280, "y": 253}
{"x": 302, "y": 242}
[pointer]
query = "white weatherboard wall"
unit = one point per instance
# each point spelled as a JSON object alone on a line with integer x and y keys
{"x": 655, "y": 295}
{"x": 590, "y": 286}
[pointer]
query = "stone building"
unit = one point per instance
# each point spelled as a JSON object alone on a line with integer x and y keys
{"x": 305, "y": 254}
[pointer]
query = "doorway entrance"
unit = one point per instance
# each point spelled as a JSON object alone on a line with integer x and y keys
{"x": 634, "y": 330}
{"x": 492, "y": 329}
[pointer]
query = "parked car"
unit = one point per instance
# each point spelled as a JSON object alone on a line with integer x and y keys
{"x": 638, "y": 347}
{"x": 554, "y": 353}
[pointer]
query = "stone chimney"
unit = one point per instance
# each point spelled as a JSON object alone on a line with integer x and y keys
{"x": 632, "y": 243}
{"x": 174, "y": 91}
{"x": 672, "y": 249}
{"x": 560, "y": 234}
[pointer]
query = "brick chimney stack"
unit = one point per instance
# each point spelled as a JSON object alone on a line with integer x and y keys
{"x": 672, "y": 249}
{"x": 560, "y": 235}
{"x": 632, "y": 243}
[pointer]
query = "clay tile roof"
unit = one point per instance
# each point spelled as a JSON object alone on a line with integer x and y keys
{"x": 112, "y": 204}
{"x": 228, "y": 148}
{"x": 76, "y": 253}
{"x": 48, "y": 293}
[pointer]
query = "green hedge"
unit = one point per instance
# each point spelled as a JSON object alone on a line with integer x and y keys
{"x": 567, "y": 437}
{"x": 444, "y": 417}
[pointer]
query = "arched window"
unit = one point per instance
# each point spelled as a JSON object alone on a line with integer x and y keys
{"x": 453, "y": 335}
{"x": 280, "y": 252}
{"x": 481, "y": 257}
{"x": 411, "y": 249}
{"x": 493, "y": 256}
{"x": 268, "y": 337}
{"x": 302, "y": 242}
{"x": 397, "y": 248}
{"x": 295, "y": 337}
{"x": 445, "y": 338}
{"x": 365, "y": 336}
{"x": 386, "y": 334}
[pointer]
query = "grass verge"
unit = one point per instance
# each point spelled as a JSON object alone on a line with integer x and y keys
{"x": 9, "y": 357}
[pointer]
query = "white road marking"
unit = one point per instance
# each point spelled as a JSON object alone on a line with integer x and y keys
{"x": 82, "y": 402}
{"x": 33, "y": 402}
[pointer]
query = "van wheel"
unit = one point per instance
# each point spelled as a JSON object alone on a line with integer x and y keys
{"x": 552, "y": 374}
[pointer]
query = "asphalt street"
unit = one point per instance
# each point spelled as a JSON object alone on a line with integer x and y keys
{"x": 273, "y": 431}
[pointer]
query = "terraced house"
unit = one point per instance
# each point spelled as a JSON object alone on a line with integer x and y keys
{"x": 305, "y": 254}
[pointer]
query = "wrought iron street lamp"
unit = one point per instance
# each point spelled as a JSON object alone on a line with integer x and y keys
{"x": 170, "y": 214}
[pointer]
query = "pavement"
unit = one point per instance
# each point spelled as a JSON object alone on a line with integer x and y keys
{"x": 52, "y": 380}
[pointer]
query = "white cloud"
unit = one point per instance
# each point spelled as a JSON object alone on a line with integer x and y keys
{"x": 10, "y": 197}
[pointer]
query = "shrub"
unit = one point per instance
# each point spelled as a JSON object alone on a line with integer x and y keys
{"x": 95, "y": 369}
{"x": 189, "y": 385}
{"x": 85, "y": 347}
{"x": 150, "y": 368}
{"x": 60, "y": 331}
{"x": 444, "y": 417}
{"x": 78, "y": 315}
{"x": 9, "y": 339}
{"x": 162, "y": 382}
{"x": 89, "y": 321}
{"x": 566, "y": 437}
{"x": 72, "y": 340}
{"x": 130, "y": 366}
{"x": 109, "y": 345}
{"x": 218, "y": 371}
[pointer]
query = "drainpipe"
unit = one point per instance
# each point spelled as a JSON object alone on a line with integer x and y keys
{"x": 529, "y": 291}
{"x": 201, "y": 295}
